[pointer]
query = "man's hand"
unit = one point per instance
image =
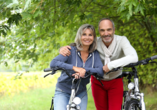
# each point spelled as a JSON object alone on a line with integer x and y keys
{"x": 79, "y": 70}
{"x": 65, "y": 50}
{"x": 105, "y": 69}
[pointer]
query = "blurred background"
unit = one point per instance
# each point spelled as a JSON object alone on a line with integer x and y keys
{"x": 32, "y": 31}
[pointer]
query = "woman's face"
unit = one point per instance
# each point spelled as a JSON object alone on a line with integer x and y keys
{"x": 87, "y": 37}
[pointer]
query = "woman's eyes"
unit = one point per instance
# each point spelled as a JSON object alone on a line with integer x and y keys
{"x": 83, "y": 34}
{"x": 86, "y": 34}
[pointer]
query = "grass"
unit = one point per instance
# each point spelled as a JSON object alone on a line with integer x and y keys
{"x": 150, "y": 100}
{"x": 40, "y": 99}
{"x": 37, "y": 99}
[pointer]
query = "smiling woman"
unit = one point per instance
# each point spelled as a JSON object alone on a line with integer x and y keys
{"x": 83, "y": 58}
{"x": 87, "y": 38}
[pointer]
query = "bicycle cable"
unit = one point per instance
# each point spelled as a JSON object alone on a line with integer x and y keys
{"x": 88, "y": 89}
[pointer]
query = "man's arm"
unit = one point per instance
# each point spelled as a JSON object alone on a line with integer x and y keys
{"x": 65, "y": 51}
{"x": 129, "y": 52}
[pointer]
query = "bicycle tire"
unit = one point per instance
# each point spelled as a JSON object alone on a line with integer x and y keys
{"x": 133, "y": 104}
{"x": 52, "y": 108}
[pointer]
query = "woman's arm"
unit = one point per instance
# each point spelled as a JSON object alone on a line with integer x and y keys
{"x": 60, "y": 61}
{"x": 98, "y": 66}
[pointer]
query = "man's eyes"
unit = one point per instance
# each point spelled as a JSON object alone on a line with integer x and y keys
{"x": 106, "y": 30}
{"x": 109, "y": 29}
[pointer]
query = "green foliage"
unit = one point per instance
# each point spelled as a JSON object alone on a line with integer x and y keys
{"x": 4, "y": 29}
{"x": 44, "y": 26}
{"x": 15, "y": 18}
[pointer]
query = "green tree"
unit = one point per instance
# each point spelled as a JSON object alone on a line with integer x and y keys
{"x": 43, "y": 26}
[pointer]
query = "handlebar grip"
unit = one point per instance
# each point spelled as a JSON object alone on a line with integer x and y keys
{"x": 47, "y": 69}
{"x": 153, "y": 57}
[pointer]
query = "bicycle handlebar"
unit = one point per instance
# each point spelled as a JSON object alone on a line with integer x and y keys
{"x": 47, "y": 69}
{"x": 54, "y": 71}
{"x": 153, "y": 57}
{"x": 57, "y": 68}
{"x": 144, "y": 62}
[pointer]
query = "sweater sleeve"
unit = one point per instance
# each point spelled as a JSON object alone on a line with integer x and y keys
{"x": 60, "y": 61}
{"x": 98, "y": 66}
{"x": 130, "y": 55}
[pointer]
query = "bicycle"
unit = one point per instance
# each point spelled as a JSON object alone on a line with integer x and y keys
{"x": 133, "y": 99}
{"x": 74, "y": 101}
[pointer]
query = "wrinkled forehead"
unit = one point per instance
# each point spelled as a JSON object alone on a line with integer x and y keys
{"x": 105, "y": 24}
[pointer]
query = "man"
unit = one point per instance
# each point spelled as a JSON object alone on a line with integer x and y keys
{"x": 115, "y": 51}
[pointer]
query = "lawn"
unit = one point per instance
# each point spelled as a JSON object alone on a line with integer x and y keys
{"x": 33, "y": 92}
{"x": 40, "y": 99}
{"x": 37, "y": 99}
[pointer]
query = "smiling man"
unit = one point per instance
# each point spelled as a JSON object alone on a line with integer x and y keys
{"x": 115, "y": 51}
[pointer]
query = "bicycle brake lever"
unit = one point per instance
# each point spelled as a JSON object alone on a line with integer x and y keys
{"x": 100, "y": 82}
{"x": 108, "y": 72}
{"x": 115, "y": 69}
{"x": 47, "y": 75}
{"x": 98, "y": 78}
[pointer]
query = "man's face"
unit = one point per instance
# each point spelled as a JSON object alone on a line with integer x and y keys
{"x": 106, "y": 31}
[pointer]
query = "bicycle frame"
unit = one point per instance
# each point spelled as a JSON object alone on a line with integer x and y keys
{"x": 133, "y": 92}
{"x": 137, "y": 95}
{"x": 133, "y": 99}
{"x": 72, "y": 104}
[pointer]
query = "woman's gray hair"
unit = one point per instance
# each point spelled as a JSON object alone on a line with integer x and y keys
{"x": 80, "y": 31}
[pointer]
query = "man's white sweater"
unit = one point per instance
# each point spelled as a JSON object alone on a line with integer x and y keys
{"x": 122, "y": 55}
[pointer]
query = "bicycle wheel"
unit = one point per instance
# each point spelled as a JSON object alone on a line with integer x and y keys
{"x": 133, "y": 104}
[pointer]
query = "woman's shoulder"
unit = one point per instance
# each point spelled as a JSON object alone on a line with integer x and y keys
{"x": 73, "y": 48}
{"x": 95, "y": 52}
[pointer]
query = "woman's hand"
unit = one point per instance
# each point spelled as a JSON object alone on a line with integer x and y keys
{"x": 76, "y": 75}
{"x": 65, "y": 50}
{"x": 79, "y": 70}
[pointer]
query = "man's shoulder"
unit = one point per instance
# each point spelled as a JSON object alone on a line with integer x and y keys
{"x": 120, "y": 38}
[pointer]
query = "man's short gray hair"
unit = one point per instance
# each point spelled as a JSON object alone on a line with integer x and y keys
{"x": 107, "y": 19}
{"x": 79, "y": 34}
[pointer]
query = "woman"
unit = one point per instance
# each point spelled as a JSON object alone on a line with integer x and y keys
{"x": 84, "y": 58}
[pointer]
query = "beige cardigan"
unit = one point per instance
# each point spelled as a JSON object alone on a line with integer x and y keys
{"x": 123, "y": 54}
